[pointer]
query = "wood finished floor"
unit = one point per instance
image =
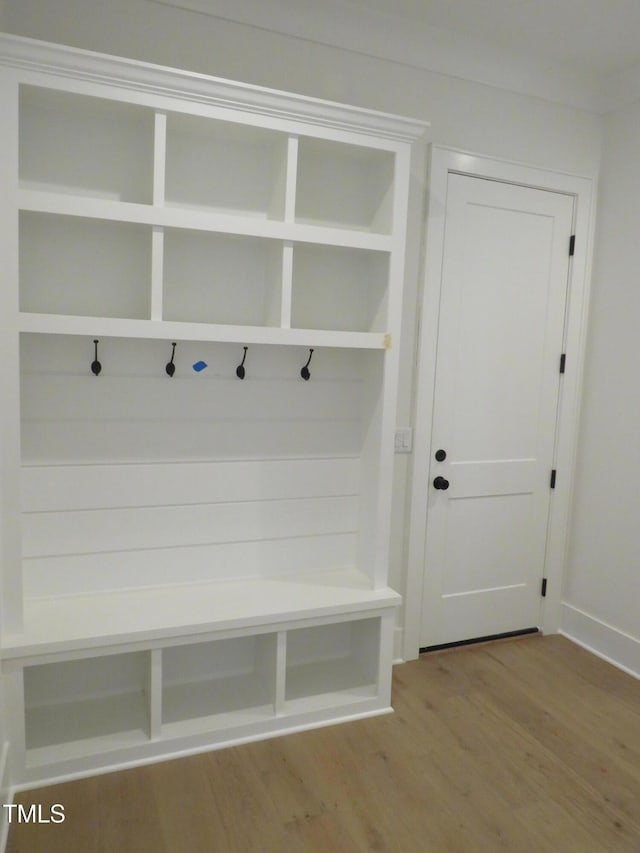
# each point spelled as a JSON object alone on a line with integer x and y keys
{"x": 521, "y": 745}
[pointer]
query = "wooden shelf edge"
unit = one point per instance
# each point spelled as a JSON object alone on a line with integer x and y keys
{"x": 200, "y": 219}
{"x": 86, "y": 623}
{"x": 116, "y": 327}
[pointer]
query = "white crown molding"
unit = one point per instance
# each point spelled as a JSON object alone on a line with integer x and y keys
{"x": 38, "y": 56}
{"x": 340, "y": 24}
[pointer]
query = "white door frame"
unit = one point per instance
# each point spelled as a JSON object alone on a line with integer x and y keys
{"x": 442, "y": 162}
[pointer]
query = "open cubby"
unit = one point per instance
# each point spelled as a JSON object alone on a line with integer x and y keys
{"x": 87, "y": 146}
{"x": 86, "y": 267}
{"x": 339, "y": 288}
{"x": 223, "y": 683}
{"x": 344, "y": 185}
{"x": 231, "y": 168}
{"x": 85, "y": 706}
{"x": 221, "y": 278}
{"x": 332, "y": 664}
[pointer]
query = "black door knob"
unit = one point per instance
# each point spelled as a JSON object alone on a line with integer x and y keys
{"x": 441, "y": 483}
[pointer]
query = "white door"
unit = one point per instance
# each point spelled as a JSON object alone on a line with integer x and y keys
{"x": 500, "y": 332}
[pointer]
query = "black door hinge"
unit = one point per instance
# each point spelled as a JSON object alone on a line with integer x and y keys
{"x": 543, "y": 588}
{"x": 552, "y": 483}
{"x": 572, "y": 245}
{"x": 563, "y": 362}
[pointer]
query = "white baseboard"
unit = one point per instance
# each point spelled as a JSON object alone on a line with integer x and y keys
{"x": 605, "y": 641}
{"x": 6, "y": 794}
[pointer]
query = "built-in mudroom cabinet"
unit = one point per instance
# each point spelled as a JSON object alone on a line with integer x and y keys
{"x": 201, "y": 288}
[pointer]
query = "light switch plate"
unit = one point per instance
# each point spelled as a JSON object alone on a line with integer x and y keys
{"x": 404, "y": 440}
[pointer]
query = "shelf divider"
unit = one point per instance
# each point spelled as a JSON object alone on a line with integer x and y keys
{"x": 154, "y": 693}
{"x": 159, "y": 158}
{"x": 280, "y": 673}
{"x": 287, "y": 285}
{"x": 292, "y": 179}
{"x": 157, "y": 271}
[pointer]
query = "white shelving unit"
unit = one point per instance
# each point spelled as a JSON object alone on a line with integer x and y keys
{"x": 192, "y": 560}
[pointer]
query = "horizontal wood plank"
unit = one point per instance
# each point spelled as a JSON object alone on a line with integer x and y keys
{"x": 126, "y": 570}
{"x": 74, "y": 487}
{"x": 60, "y": 443}
{"x": 96, "y": 531}
{"x": 85, "y": 398}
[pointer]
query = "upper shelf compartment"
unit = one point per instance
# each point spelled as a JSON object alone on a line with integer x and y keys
{"x": 230, "y": 168}
{"x": 84, "y": 267}
{"x": 86, "y": 146}
{"x": 345, "y": 186}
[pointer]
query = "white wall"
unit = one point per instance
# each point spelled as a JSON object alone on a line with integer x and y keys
{"x": 471, "y": 116}
{"x": 603, "y": 583}
{"x": 463, "y": 114}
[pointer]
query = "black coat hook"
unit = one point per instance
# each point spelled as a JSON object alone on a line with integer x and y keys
{"x": 240, "y": 371}
{"x": 170, "y": 368}
{"x": 96, "y": 367}
{"x": 304, "y": 372}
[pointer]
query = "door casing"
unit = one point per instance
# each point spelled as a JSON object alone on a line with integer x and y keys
{"x": 442, "y": 162}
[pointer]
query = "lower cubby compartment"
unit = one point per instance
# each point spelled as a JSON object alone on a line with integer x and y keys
{"x": 85, "y": 707}
{"x": 330, "y": 665}
{"x": 89, "y": 708}
{"x": 219, "y": 684}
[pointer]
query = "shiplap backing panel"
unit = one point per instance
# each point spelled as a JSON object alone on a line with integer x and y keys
{"x": 89, "y": 531}
{"x": 132, "y": 478}
{"x": 84, "y": 487}
{"x": 126, "y": 441}
{"x": 70, "y": 575}
{"x": 80, "y": 398}
{"x": 78, "y": 418}
{"x": 253, "y": 518}
{"x": 133, "y": 411}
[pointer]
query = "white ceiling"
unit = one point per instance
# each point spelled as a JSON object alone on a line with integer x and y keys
{"x": 584, "y": 53}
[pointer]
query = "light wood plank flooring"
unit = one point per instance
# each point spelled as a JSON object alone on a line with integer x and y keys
{"x": 521, "y": 745}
